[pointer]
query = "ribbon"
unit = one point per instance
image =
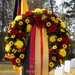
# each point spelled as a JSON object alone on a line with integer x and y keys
{"x": 38, "y": 58}
{"x": 32, "y": 51}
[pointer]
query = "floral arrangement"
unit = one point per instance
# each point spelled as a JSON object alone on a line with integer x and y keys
{"x": 20, "y": 28}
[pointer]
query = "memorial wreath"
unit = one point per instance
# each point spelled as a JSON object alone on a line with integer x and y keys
{"x": 20, "y": 29}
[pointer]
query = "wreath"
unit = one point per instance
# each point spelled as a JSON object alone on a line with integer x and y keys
{"x": 20, "y": 28}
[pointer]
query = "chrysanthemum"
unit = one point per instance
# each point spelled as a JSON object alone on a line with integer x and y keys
{"x": 13, "y": 36}
{"x": 49, "y": 12}
{"x": 18, "y": 60}
{"x": 59, "y": 39}
{"x": 20, "y": 23}
{"x": 43, "y": 17}
{"x": 64, "y": 46}
{"x": 6, "y": 37}
{"x": 53, "y": 18}
{"x": 22, "y": 56}
{"x": 11, "y": 43}
{"x": 56, "y": 21}
{"x": 62, "y": 52}
{"x": 51, "y": 64}
{"x": 54, "y": 47}
{"x": 29, "y": 27}
{"x": 7, "y": 48}
{"x": 48, "y": 24}
{"x": 27, "y": 21}
{"x": 37, "y": 10}
{"x": 18, "y": 18}
{"x": 18, "y": 44}
{"x": 63, "y": 25}
{"x": 54, "y": 58}
{"x": 53, "y": 38}
{"x": 14, "y": 51}
{"x": 12, "y": 55}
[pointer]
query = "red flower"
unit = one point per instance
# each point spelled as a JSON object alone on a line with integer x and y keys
{"x": 23, "y": 34}
{"x": 57, "y": 50}
{"x": 22, "y": 49}
{"x": 38, "y": 22}
{"x": 53, "y": 28}
{"x": 54, "y": 15}
{"x": 13, "y": 61}
{"x": 19, "y": 26}
{"x": 15, "y": 32}
{"x": 50, "y": 52}
{"x": 45, "y": 12}
{"x": 28, "y": 13}
{"x": 60, "y": 57}
{"x": 65, "y": 40}
{"x": 19, "y": 36}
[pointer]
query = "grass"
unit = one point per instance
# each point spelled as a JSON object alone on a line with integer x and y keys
{"x": 6, "y": 68}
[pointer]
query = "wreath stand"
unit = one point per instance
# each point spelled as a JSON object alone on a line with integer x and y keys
{"x": 21, "y": 70}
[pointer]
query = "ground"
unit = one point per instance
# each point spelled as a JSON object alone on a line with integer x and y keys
{"x": 6, "y": 68}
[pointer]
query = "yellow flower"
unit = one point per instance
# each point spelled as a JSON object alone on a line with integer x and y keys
{"x": 62, "y": 52}
{"x": 48, "y": 24}
{"x": 9, "y": 30}
{"x": 19, "y": 44}
{"x": 22, "y": 56}
{"x": 54, "y": 58}
{"x": 27, "y": 21}
{"x": 53, "y": 38}
{"x": 18, "y": 60}
{"x": 56, "y": 21}
{"x": 13, "y": 36}
{"x": 18, "y": 18}
{"x": 62, "y": 30}
{"x": 54, "y": 47}
{"x": 7, "y": 48}
{"x": 20, "y": 23}
{"x": 19, "y": 50}
{"x": 49, "y": 12}
{"x": 63, "y": 25}
{"x": 14, "y": 51}
{"x": 29, "y": 27}
{"x": 51, "y": 64}
{"x": 43, "y": 9}
{"x": 13, "y": 24}
{"x": 59, "y": 39}
{"x": 11, "y": 43}
{"x": 43, "y": 17}
{"x": 6, "y": 37}
{"x": 64, "y": 46}
{"x": 12, "y": 55}
{"x": 52, "y": 18}
{"x": 37, "y": 10}
{"x": 60, "y": 61}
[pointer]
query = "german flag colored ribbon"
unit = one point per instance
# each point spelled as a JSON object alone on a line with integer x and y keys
{"x": 38, "y": 57}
